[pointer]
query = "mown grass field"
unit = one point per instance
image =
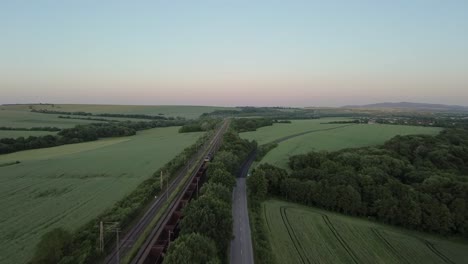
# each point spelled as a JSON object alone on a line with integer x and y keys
{"x": 300, "y": 234}
{"x": 333, "y": 137}
{"x": 71, "y": 184}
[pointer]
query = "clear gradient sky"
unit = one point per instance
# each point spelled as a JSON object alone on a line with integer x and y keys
{"x": 297, "y": 53}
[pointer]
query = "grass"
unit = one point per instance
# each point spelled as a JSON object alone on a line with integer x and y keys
{"x": 351, "y": 136}
{"x": 300, "y": 234}
{"x": 69, "y": 185}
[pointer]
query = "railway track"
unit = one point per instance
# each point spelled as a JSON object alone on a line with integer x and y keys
{"x": 130, "y": 238}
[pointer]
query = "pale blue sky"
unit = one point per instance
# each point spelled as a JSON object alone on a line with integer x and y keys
{"x": 239, "y": 52}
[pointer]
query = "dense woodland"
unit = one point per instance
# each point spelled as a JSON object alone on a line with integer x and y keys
{"x": 206, "y": 227}
{"x": 417, "y": 182}
{"x": 199, "y": 125}
{"x": 81, "y": 133}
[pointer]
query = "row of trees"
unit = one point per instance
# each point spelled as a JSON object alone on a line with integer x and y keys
{"x": 250, "y": 124}
{"x": 88, "y": 118}
{"x": 81, "y": 133}
{"x": 418, "y": 182}
{"x": 206, "y": 227}
{"x": 59, "y": 246}
{"x": 266, "y": 112}
{"x": 257, "y": 188}
{"x": 51, "y": 129}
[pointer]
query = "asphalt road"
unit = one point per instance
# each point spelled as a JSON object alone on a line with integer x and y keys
{"x": 241, "y": 245}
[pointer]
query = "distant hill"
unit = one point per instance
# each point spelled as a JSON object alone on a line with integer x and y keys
{"x": 411, "y": 106}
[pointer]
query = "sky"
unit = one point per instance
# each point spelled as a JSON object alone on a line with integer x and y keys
{"x": 215, "y": 52}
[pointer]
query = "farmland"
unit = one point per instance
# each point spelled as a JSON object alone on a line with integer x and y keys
{"x": 189, "y": 112}
{"x": 268, "y": 134}
{"x": 69, "y": 185}
{"x": 299, "y": 234}
{"x": 332, "y": 137}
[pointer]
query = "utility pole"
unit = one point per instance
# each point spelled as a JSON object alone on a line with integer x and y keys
{"x": 198, "y": 179}
{"x": 117, "y": 230}
{"x": 161, "y": 180}
{"x": 167, "y": 187}
{"x": 110, "y": 227}
{"x": 101, "y": 237}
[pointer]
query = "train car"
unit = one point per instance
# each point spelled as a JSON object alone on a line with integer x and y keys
{"x": 208, "y": 157}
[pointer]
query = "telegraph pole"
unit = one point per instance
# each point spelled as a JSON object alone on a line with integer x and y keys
{"x": 101, "y": 237}
{"x": 161, "y": 180}
{"x": 117, "y": 230}
{"x": 167, "y": 187}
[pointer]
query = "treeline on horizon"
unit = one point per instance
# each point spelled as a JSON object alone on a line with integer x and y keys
{"x": 418, "y": 182}
{"x": 82, "y": 133}
{"x": 238, "y": 124}
{"x": 50, "y": 129}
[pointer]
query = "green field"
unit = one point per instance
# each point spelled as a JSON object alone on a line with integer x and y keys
{"x": 300, "y": 234}
{"x": 268, "y": 134}
{"x": 350, "y": 136}
{"x": 71, "y": 184}
{"x": 26, "y": 119}
{"x": 190, "y": 112}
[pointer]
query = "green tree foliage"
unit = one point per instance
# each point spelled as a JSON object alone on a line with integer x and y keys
{"x": 217, "y": 190}
{"x": 229, "y": 160}
{"x": 192, "y": 248}
{"x": 257, "y": 185}
{"x": 222, "y": 177}
{"x": 202, "y": 124}
{"x": 250, "y": 124}
{"x": 211, "y": 217}
{"x": 52, "y": 247}
{"x": 417, "y": 182}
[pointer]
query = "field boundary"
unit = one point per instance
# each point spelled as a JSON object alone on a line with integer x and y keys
{"x": 282, "y": 139}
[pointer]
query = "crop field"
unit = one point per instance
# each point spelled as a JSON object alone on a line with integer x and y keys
{"x": 189, "y": 112}
{"x": 26, "y": 119}
{"x": 269, "y": 134}
{"x": 300, "y": 234}
{"x": 326, "y": 137}
{"x": 69, "y": 185}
